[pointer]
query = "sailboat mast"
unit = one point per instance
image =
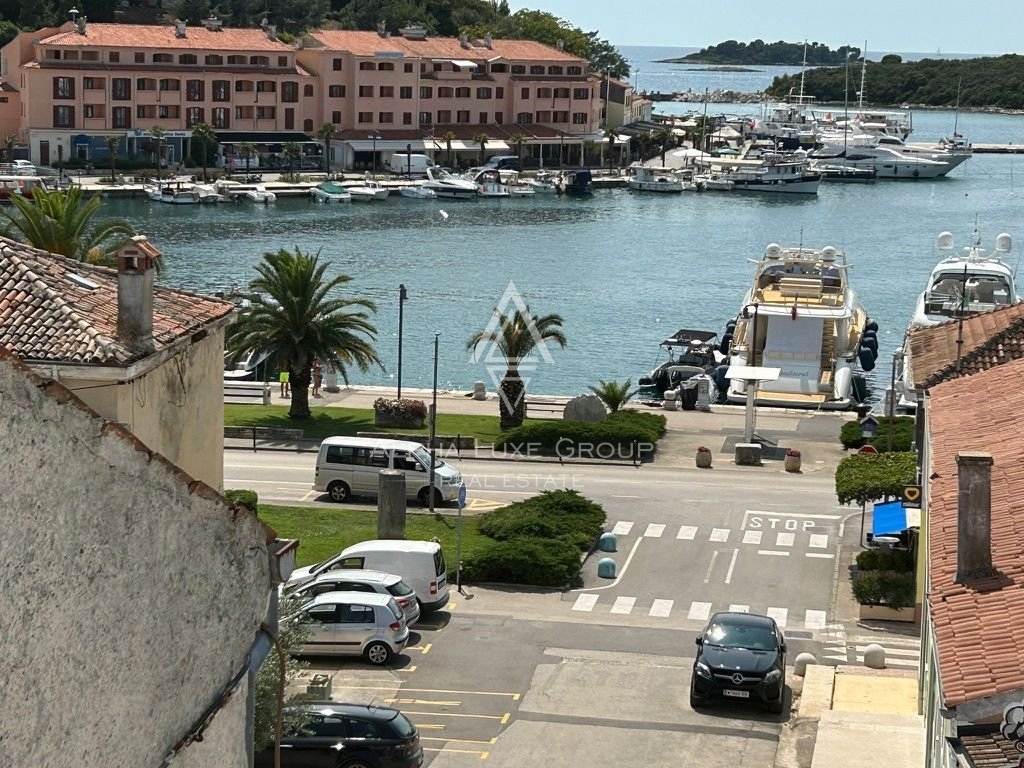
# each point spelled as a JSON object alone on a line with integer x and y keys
{"x": 956, "y": 114}
{"x": 863, "y": 77}
{"x": 803, "y": 70}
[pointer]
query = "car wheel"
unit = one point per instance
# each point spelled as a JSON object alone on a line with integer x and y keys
{"x": 339, "y": 491}
{"x": 378, "y": 653}
{"x": 424, "y": 498}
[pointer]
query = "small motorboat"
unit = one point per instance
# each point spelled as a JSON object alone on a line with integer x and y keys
{"x": 175, "y": 194}
{"x": 578, "y": 182}
{"x": 418, "y": 193}
{"x": 489, "y": 184}
{"x": 229, "y": 191}
{"x": 544, "y": 183}
{"x": 690, "y": 353}
{"x": 521, "y": 190}
{"x": 448, "y": 186}
{"x": 329, "y": 192}
{"x": 259, "y": 194}
{"x": 207, "y": 193}
{"x": 368, "y": 190}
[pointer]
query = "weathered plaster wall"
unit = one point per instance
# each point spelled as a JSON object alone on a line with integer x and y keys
{"x": 131, "y": 594}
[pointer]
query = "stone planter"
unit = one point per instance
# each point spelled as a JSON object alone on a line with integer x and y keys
{"x": 385, "y": 419}
{"x": 703, "y": 459}
{"x": 885, "y": 613}
{"x": 792, "y": 463}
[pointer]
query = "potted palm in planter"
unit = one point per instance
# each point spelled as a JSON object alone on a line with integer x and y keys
{"x": 405, "y": 413}
{"x": 703, "y": 457}
{"x": 792, "y": 460}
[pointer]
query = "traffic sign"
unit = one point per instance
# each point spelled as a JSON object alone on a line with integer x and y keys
{"x": 870, "y": 449}
{"x": 911, "y": 496}
{"x": 462, "y": 496}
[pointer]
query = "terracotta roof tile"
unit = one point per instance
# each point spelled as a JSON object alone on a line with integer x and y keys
{"x": 163, "y": 36}
{"x": 56, "y": 309}
{"x": 361, "y": 43}
{"x": 977, "y": 651}
{"x": 988, "y": 750}
{"x": 989, "y": 339}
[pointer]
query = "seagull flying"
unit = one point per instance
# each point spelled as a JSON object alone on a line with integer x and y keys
{"x": 444, "y": 215}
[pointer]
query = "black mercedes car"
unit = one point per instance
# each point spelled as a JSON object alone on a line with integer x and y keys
{"x": 740, "y": 656}
{"x": 340, "y": 735}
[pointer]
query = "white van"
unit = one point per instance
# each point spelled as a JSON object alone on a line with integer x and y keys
{"x": 420, "y": 564}
{"x": 411, "y": 165}
{"x": 349, "y": 466}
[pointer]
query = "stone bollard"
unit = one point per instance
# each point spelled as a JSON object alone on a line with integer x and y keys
{"x": 874, "y": 656}
{"x": 479, "y": 391}
{"x": 802, "y": 660}
{"x": 607, "y": 542}
{"x": 748, "y": 454}
{"x": 606, "y": 568}
{"x": 669, "y": 403}
{"x": 391, "y": 504}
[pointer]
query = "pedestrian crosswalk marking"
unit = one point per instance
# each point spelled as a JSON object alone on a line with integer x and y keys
{"x": 719, "y": 534}
{"x": 772, "y": 552}
{"x": 739, "y": 609}
{"x": 699, "y": 611}
{"x": 687, "y": 532}
{"x": 622, "y": 528}
{"x": 784, "y": 539}
{"x": 820, "y": 555}
{"x": 585, "y": 602}
{"x": 819, "y": 541}
{"x": 780, "y": 615}
{"x": 752, "y": 537}
{"x": 661, "y": 608}
{"x": 623, "y": 605}
{"x": 654, "y": 530}
{"x": 814, "y": 619}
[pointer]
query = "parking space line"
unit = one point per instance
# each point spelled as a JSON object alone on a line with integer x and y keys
{"x": 732, "y": 565}
{"x": 489, "y": 742}
{"x": 431, "y": 726}
{"x": 513, "y": 696}
{"x": 820, "y": 555}
{"x": 407, "y": 669}
{"x": 483, "y": 755}
{"x": 699, "y": 611}
{"x": 711, "y": 566}
{"x": 654, "y": 530}
{"x": 752, "y": 537}
{"x": 688, "y": 532}
{"x": 623, "y": 605}
{"x": 585, "y": 602}
{"x": 426, "y": 648}
{"x": 772, "y": 552}
{"x": 503, "y": 718}
{"x": 427, "y": 702}
{"x": 739, "y": 609}
{"x": 622, "y": 528}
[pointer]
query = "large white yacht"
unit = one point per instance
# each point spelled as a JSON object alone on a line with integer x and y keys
{"x": 446, "y": 185}
{"x": 802, "y": 317}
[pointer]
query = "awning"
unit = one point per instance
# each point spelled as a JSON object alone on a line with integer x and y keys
{"x": 463, "y": 63}
{"x": 386, "y": 145}
{"x": 262, "y": 137}
{"x": 893, "y": 518}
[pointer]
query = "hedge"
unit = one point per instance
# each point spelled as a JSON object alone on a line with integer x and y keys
{"x": 866, "y": 477}
{"x": 893, "y": 590}
{"x": 563, "y": 514}
{"x": 902, "y": 428}
{"x": 900, "y": 560}
{"x": 526, "y": 560}
{"x": 623, "y": 435}
{"x": 243, "y": 497}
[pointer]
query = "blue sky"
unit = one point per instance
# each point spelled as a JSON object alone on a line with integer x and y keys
{"x": 919, "y": 26}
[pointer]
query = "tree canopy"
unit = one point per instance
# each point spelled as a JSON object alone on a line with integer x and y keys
{"x": 760, "y": 52}
{"x": 865, "y": 477}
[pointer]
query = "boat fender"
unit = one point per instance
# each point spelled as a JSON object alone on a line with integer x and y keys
{"x": 726, "y": 342}
{"x": 871, "y": 326}
{"x": 718, "y": 376}
{"x": 867, "y": 361}
{"x": 645, "y": 381}
{"x": 870, "y": 335}
{"x": 916, "y": 173}
{"x": 870, "y": 342}
{"x": 730, "y": 326}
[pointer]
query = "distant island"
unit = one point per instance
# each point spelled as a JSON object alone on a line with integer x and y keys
{"x": 761, "y": 53}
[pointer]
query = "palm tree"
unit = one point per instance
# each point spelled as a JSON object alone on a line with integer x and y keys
{"x": 112, "y": 142}
{"x": 61, "y": 221}
{"x": 663, "y": 137}
{"x": 611, "y": 135}
{"x": 613, "y": 394}
{"x": 158, "y": 133}
{"x": 298, "y": 321}
{"x": 292, "y": 152}
{"x": 481, "y": 139}
{"x": 515, "y": 334}
{"x": 517, "y": 140}
{"x": 327, "y": 132}
{"x": 448, "y": 139}
{"x": 248, "y": 151}
{"x": 205, "y": 133}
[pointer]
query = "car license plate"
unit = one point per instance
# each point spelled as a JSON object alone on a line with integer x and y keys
{"x": 736, "y": 694}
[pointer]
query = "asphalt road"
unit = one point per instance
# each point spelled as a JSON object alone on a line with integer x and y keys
{"x": 599, "y": 675}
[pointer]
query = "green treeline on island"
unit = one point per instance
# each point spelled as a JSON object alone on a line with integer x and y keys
{"x": 982, "y": 83}
{"x": 441, "y": 18}
{"x": 760, "y": 52}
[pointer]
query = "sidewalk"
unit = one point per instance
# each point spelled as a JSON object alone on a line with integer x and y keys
{"x": 814, "y": 434}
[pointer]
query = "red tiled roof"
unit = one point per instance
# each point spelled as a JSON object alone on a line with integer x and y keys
{"x": 163, "y": 36}
{"x": 975, "y": 623}
{"x": 989, "y": 750}
{"x": 989, "y": 339}
{"x": 48, "y": 315}
{"x": 370, "y": 43}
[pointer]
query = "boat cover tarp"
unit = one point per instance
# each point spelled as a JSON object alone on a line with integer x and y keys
{"x": 794, "y": 347}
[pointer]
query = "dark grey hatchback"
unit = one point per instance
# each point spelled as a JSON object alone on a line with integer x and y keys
{"x": 340, "y": 735}
{"x": 740, "y": 656}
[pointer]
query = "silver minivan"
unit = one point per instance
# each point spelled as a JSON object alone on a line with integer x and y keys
{"x": 354, "y": 580}
{"x": 353, "y": 624}
{"x": 349, "y": 466}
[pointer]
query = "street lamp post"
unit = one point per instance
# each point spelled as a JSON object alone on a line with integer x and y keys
{"x": 748, "y": 422}
{"x": 402, "y": 296}
{"x": 374, "y": 136}
{"x": 433, "y": 428}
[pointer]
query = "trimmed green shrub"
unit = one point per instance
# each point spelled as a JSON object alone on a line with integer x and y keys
{"x": 902, "y": 434}
{"x": 561, "y": 514}
{"x": 539, "y": 562}
{"x": 865, "y": 477}
{"x": 893, "y": 590}
{"x": 899, "y": 561}
{"x": 623, "y": 435}
{"x": 243, "y": 497}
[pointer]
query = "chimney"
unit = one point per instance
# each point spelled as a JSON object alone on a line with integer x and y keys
{"x": 488, "y": 42}
{"x": 464, "y": 41}
{"x": 973, "y": 516}
{"x": 272, "y": 31}
{"x": 560, "y": 45}
{"x": 136, "y": 267}
{"x": 179, "y": 28}
{"x": 382, "y": 28}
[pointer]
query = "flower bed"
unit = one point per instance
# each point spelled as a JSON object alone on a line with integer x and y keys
{"x": 405, "y": 413}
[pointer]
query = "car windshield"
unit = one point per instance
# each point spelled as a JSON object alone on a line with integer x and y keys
{"x": 401, "y": 589}
{"x": 729, "y": 635}
{"x": 423, "y": 457}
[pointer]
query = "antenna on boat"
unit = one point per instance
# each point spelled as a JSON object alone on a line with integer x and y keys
{"x": 863, "y": 76}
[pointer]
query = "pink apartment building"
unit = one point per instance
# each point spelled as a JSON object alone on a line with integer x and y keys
{"x": 64, "y": 90}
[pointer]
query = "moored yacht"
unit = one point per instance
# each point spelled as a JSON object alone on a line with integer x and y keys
{"x": 772, "y": 173}
{"x": 646, "y": 179}
{"x": 802, "y": 317}
{"x": 445, "y": 185}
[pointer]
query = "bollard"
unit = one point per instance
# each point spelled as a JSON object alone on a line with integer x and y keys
{"x": 874, "y": 656}
{"x": 669, "y": 403}
{"x": 607, "y": 542}
{"x": 606, "y": 568}
{"x": 391, "y": 509}
{"x": 479, "y": 390}
{"x": 802, "y": 660}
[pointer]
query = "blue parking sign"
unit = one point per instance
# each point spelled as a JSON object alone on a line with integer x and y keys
{"x": 462, "y": 496}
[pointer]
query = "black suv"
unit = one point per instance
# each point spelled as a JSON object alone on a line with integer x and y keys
{"x": 348, "y": 736}
{"x": 740, "y": 656}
